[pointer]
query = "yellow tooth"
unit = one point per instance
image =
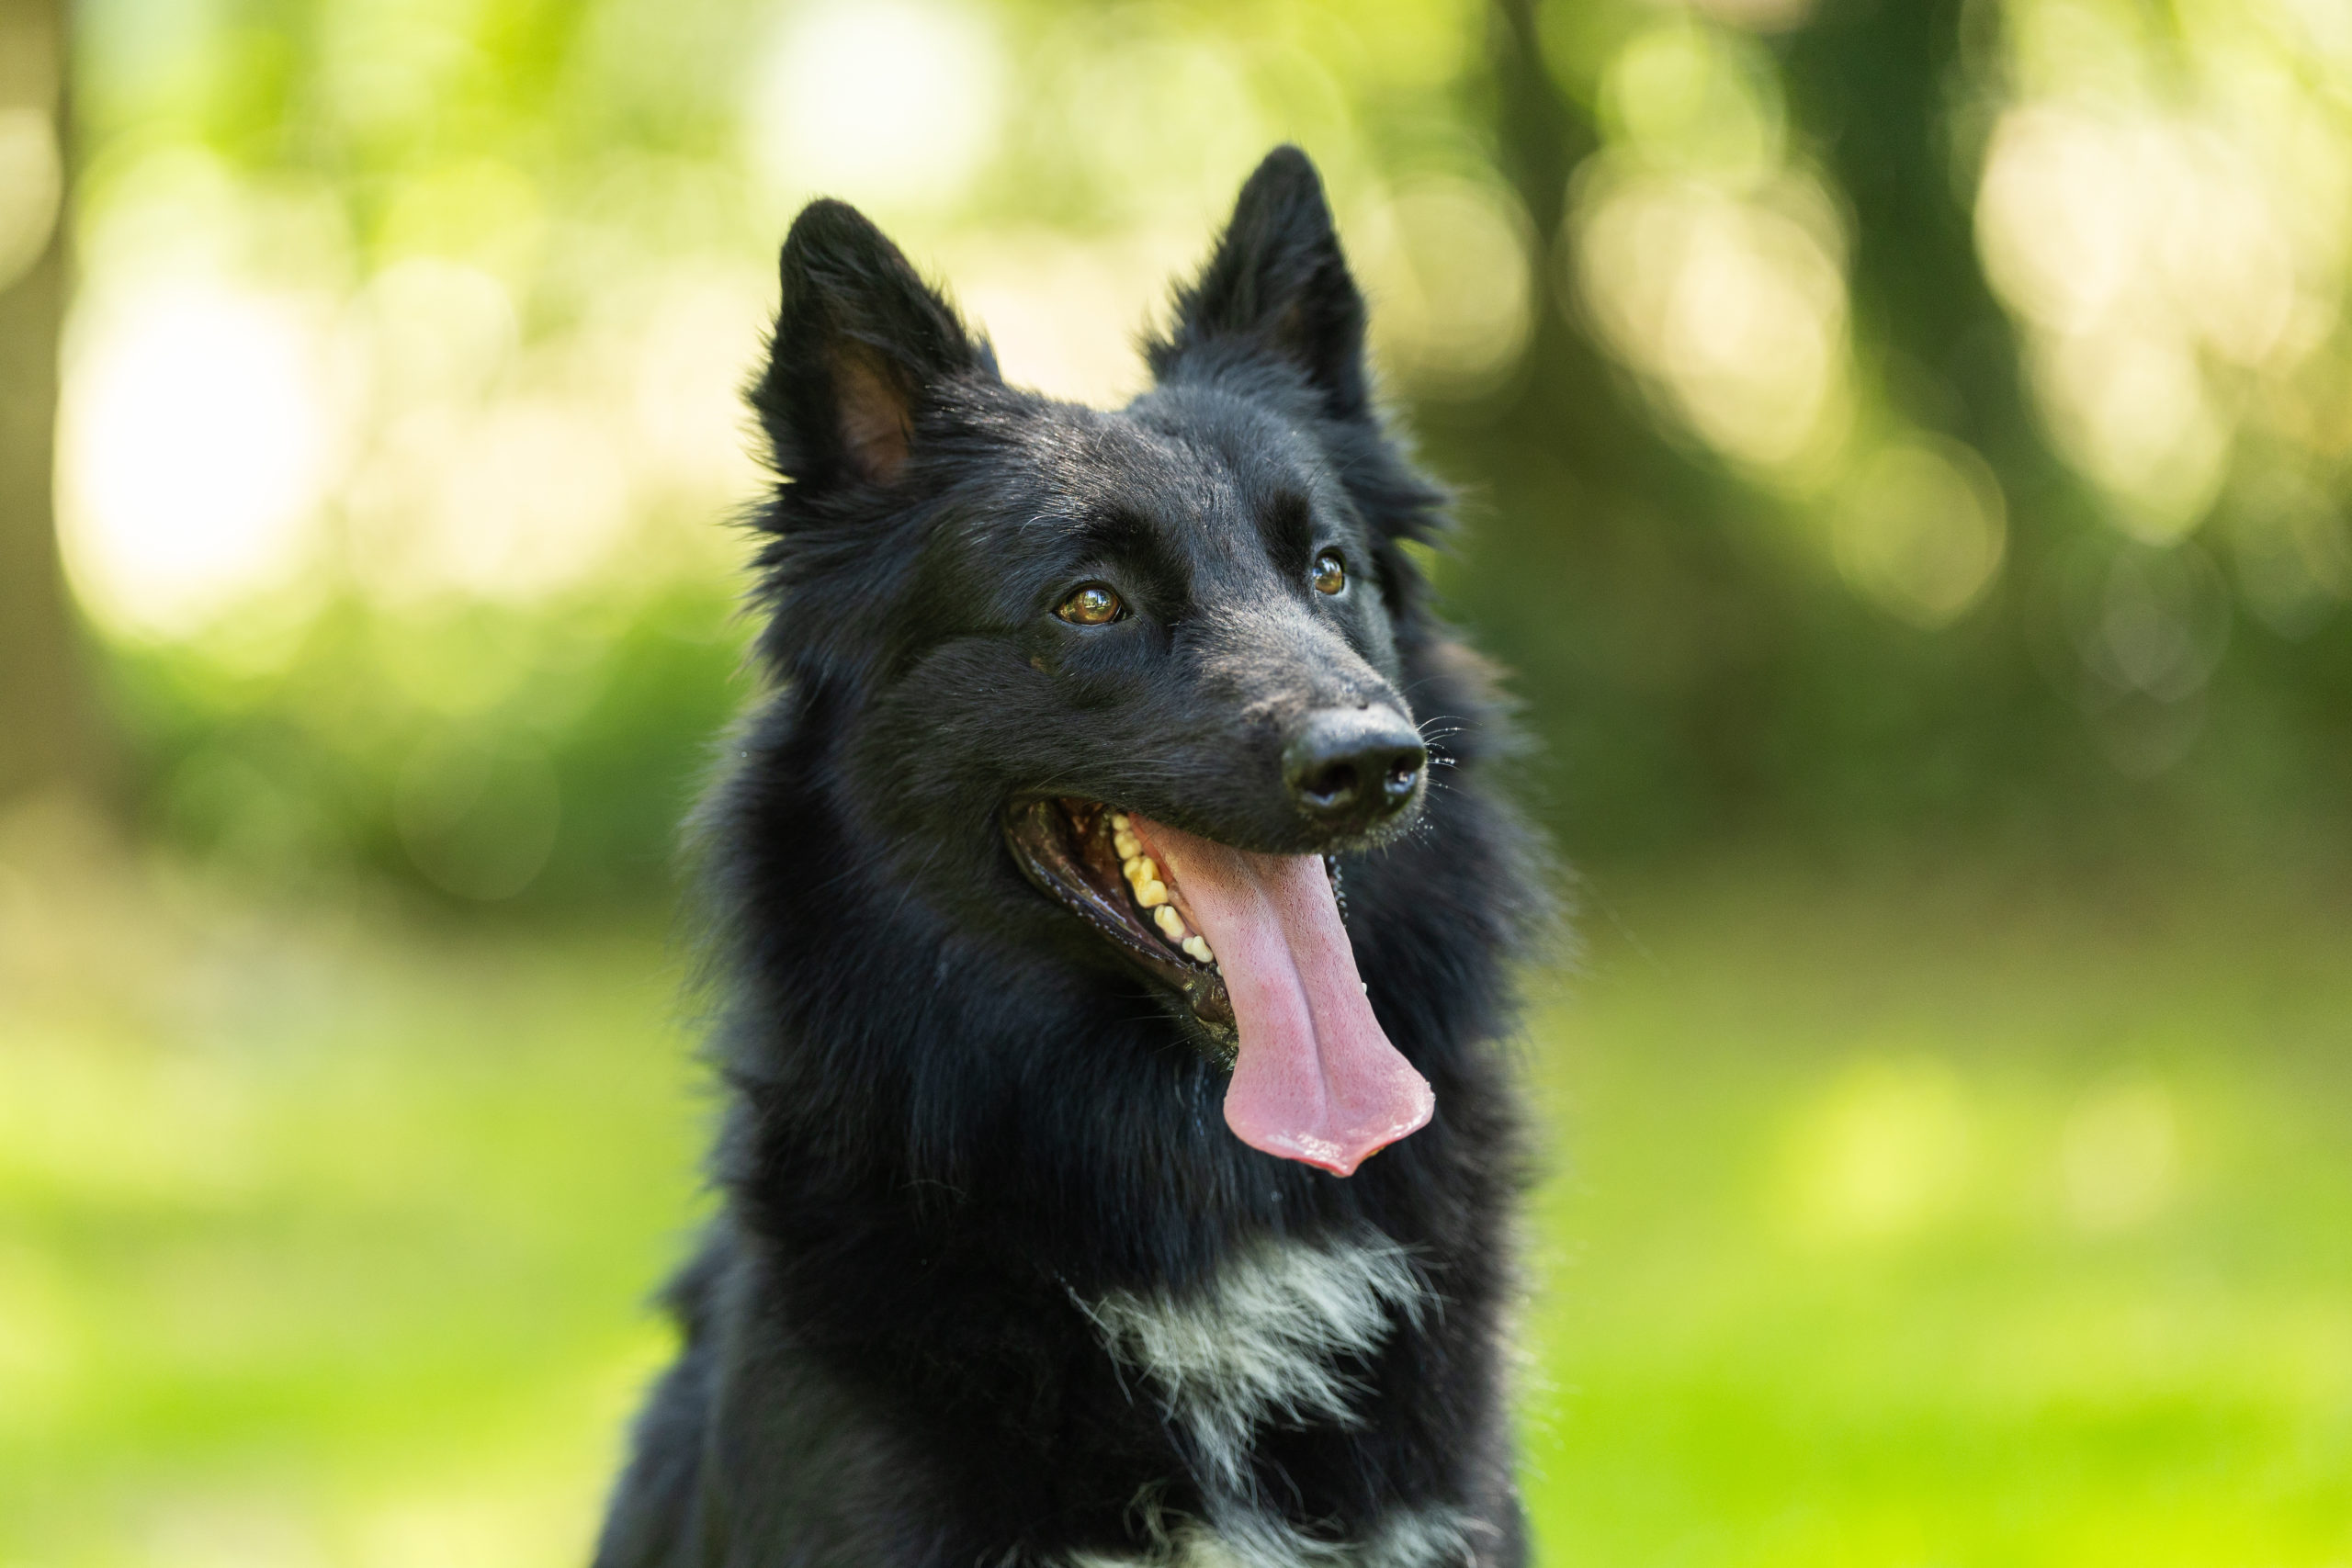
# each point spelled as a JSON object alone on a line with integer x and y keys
{"x": 1198, "y": 951}
{"x": 1127, "y": 843}
{"x": 1141, "y": 870}
{"x": 1151, "y": 895}
{"x": 1170, "y": 923}
{"x": 1119, "y": 822}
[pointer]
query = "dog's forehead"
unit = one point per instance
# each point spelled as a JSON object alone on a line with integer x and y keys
{"x": 1195, "y": 465}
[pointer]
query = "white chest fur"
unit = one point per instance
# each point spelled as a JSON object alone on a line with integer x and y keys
{"x": 1262, "y": 1342}
{"x": 1265, "y": 1342}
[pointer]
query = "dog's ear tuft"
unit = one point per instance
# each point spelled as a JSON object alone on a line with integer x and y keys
{"x": 1276, "y": 285}
{"x": 861, "y": 343}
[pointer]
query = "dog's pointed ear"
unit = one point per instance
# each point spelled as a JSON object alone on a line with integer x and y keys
{"x": 1277, "y": 285}
{"x": 861, "y": 343}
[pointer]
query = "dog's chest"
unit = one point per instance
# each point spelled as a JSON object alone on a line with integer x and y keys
{"x": 1272, "y": 1338}
{"x": 1280, "y": 1335}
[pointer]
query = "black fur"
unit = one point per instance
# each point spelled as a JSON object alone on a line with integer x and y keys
{"x": 955, "y": 1113}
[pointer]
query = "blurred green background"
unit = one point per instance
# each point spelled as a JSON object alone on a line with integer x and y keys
{"x": 1903, "y": 447}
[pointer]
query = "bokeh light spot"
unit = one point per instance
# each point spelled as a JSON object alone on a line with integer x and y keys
{"x": 1446, "y": 265}
{"x": 2119, "y": 1157}
{"x": 2135, "y": 412}
{"x": 1885, "y": 1147}
{"x": 1735, "y": 308}
{"x": 892, "y": 101}
{"x": 1921, "y": 529}
{"x": 2164, "y": 246}
{"x": 1062, "y": 313}
{"x": 1696, "y": 99}
{"x": 197, "y": 440}
{"x": 32, "y": 184}
{"x": 514, "y": 501}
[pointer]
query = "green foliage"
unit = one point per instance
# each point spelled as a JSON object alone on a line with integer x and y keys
{"x": 487, "y": 754}
{"x": 1876, "y": 418}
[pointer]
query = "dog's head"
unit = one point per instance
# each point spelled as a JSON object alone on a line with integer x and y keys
{"x": 1120, "y": 685}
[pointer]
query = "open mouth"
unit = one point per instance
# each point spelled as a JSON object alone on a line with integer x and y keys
{"x": 1090, "y": 857}
{"x": 1257, "y": 947}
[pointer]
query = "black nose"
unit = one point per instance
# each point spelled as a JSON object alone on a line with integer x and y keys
{"x": 1348, "y": 768}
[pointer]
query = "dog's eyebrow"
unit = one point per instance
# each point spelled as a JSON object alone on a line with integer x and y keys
{"x": 1135, "y": 536}
{"x": 1114, "y": 530}
{"x": 1117, "y": 531}
{"x": 1288, "y": 522}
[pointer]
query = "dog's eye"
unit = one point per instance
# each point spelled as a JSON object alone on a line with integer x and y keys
{"x": 1330, "y": 572}
{"x": 1092, "y": 605}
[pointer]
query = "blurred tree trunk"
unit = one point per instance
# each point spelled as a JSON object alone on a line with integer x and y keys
{"x": 1644, "y": 596}
{"x": 51, "y": 731}
{"x": 1880, "y": 89}
{"x": 1884, "y": 91}
{"x": 1697, "y": 669}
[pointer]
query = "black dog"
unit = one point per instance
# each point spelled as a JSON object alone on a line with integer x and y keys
{"x": 1075, "y": 879}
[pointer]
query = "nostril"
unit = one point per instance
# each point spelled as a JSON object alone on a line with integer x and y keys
{"x": 1334, "y": 785}
{"x": 1403, "y": 774}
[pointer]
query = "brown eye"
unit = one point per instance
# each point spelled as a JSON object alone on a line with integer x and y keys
{"x": 1092, "y": 605}
{"x": 1330, "y": 572}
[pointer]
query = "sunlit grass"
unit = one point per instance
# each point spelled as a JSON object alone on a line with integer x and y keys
{"x": 1890, "y": 1227}
{"x": 327, "y": 1240}
{"x": 1973, "y": 1224}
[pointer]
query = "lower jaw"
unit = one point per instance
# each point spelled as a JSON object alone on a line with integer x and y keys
{"x": 1064, "y": 847}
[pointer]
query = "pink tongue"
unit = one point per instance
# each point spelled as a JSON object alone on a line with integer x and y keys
{"x": 1317, "y": 1079}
